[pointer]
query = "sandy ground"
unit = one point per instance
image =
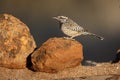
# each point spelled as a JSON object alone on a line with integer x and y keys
{"x": 99, "y": 72}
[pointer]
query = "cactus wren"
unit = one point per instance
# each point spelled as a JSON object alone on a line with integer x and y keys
{"x": 72, "y": 29}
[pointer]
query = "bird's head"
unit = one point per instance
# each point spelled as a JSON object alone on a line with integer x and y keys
{"x": 61, "y": 19}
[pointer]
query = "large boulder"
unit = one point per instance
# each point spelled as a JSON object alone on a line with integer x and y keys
{"x": 57, "y": 54}
{"x": 16, "y": 42}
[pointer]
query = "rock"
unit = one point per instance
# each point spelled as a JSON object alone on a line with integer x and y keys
{"x": 16, "y": 42}
{"x": 57, "y": 54}
{"x": 117, "y": 57}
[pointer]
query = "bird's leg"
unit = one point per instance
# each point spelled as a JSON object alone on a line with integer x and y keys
{"x": 69, "y": 38}
{"x": 66, "y": 37}
{"x": 72, "y": 37}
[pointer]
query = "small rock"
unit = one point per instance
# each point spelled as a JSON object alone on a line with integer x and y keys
{"x": 117, "y": 57}
{"x": 114, "y": 77}
{"x": 57, "y": 54}
{"x": 16, "y": 42}
{"x": 90, "y": 63}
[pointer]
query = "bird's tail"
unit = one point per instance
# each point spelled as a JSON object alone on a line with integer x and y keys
{"x": 92, "y": 34}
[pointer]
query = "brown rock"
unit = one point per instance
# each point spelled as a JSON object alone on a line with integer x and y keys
{"x": 117, "y": 57}
{"x": 57, "y": 54}
{"x": 16, "y": 42}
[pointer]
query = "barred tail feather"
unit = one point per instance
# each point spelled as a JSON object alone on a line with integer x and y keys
{"x": 99, "y": 37}
{"x": 92, "y": 34}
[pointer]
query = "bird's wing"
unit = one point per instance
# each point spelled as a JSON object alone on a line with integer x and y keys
{"x": 76, "y": 27}
{"x": 73, "y": 26}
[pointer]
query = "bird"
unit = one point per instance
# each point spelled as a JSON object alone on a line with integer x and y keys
{"x": 72, "y": 29}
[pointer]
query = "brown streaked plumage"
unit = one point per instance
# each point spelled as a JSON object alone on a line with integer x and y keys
{"x": 72, "y": 29}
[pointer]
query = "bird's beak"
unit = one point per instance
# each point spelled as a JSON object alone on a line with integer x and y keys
{"x": 55, "y": 18}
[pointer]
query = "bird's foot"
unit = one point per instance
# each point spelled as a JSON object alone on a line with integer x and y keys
{"x": 68, "y": 38}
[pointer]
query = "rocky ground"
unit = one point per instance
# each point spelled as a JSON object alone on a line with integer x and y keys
{"x": 103, "y": 71}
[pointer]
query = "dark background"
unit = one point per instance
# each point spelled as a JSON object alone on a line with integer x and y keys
{"x": 101, "y": 17}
